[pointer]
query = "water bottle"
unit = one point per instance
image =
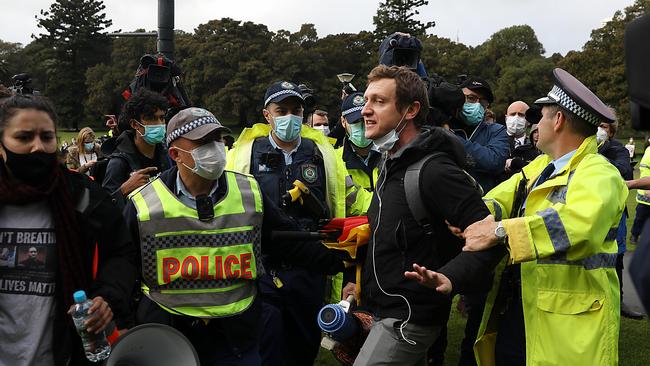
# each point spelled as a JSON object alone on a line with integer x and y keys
{"x": 335, "y": 320}
{"x": 96, "y": 346}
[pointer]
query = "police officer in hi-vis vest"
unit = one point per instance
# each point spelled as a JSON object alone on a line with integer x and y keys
{"x": 360, "y": 157}
{"x": 202, "y": 231}
{"x": 555, "y": 299}
{"x": 278, "y": 153}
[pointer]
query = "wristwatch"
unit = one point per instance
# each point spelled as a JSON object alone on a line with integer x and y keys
{"x": 500, "y": 232}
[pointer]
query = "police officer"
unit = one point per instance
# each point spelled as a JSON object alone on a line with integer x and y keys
{"x": 557, "y": 300}
{"x": 278, "y": 154}
{"x": 202, "y": 231}
{"x": 361, "y": 160}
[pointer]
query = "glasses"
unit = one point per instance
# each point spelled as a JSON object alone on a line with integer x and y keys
{"x": 471, "y": 98}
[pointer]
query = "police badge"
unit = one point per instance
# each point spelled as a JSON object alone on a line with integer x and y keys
{"x": 309, "y": 173}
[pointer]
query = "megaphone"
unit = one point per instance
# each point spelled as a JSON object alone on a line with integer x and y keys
{"x": 345, "y": 330}
{"x": 153, "y": 345}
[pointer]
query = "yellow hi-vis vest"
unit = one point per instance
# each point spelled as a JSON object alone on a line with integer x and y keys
{"x": 644, "y": 170}
{"x": 197, "y": 268}
{"x": 359, "y": 187}
{"x": 567, "y": 250}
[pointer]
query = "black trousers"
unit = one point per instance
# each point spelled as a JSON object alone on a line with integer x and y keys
{"x": 510, "y": 349}
{"x": 642, "y": 214}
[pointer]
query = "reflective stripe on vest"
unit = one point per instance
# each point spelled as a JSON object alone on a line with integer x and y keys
{"x": 201, "y": 268}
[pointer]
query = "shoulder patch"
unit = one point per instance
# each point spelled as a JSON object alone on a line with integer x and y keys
{"x": 309, "y": 173}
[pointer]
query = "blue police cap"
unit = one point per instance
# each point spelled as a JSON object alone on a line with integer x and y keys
{"x": 352, "y": 106}
{"x": 569, "y": 93}
{"x": 281, "y": 90}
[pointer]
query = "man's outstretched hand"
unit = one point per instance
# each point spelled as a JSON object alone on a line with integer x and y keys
{"x": 429, "y": 278}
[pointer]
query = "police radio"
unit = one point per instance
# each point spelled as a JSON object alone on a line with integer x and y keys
{"x": 204, "y": 207}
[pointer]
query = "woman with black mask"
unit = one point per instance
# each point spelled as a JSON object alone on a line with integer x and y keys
{"x": 66, "y": 223}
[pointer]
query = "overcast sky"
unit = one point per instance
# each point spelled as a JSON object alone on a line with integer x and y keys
{"x": 561, "y": 25}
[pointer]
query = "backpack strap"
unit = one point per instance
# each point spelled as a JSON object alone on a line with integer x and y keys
{"x": 412, "y": 184}
{"x": 414, "y": 195}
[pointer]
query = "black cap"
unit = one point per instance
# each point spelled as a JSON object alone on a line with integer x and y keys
{"x": 352, "y": 106}
{"x": 476, "y": 83}
{"x": 281, "y": 90}
{"x": 568, "y": 92}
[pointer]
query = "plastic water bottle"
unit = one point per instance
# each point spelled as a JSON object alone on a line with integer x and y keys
{"x": 96, "y": 346}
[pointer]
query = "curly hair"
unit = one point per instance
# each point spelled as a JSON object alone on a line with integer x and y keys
{"x": 144, "y": 103}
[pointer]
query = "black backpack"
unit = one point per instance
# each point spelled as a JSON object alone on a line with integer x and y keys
{"x": 98, "y": 171}
{"x": 412, "y": 184}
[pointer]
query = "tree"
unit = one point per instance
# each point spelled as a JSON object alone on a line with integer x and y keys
{"x": 106, "y": 81}
{"x": 398, "y": 16}
{"x": 601, "y": 65}
{"x": 73, "y": 30}
{"x": 227, "y": 67}
{"x": 8, "y": 61}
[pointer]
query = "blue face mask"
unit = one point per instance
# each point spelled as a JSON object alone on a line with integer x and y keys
{"x": 358, "y": 134}
{"x": 153, "y": 134}
{"x": 287, "y": 128}
{"x": 473, "y": 113}
{"x": 89, "y": 146}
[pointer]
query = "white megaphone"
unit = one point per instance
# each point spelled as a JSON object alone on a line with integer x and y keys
{"x": 153, "y": 345}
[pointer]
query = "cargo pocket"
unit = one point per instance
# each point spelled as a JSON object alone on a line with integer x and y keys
{"x": 570, "y": 328}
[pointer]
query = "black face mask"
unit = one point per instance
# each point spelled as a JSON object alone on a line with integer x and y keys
{"x": 33, "y": 168}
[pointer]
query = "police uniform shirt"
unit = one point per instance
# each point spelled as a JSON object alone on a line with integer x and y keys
{"x": 288, "y": 155}
{"x": 186, "y": 197}
{"x": 276, "y": 171}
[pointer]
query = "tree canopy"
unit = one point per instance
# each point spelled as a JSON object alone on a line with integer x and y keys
{"x": 227, "y": 64}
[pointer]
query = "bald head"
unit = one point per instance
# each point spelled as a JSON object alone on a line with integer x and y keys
{"x": 517, "y": 108}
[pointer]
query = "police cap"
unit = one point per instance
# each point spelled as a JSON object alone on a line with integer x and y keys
{"x": 281, "y": 90}
{"x": 569, "y": 93}
{"x": 193, "y": 124}
{"x": 352, "y": 106}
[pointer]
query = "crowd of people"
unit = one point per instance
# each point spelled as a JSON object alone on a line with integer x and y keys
{"x": 167, "y": 222}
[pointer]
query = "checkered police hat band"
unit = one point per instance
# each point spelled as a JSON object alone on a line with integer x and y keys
{"x": 564, "y": 100}
{"x": 351, "y": 110}
{"x": 189, "y": 127}
{"x": 282, "y": 92}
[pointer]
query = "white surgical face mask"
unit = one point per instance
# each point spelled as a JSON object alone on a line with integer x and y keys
{"x": 209, "y": 160}
{"x": 601, "y": 135}
{"x": 386, "y": 142}
{"x": 325, "y": 129}
{"x": 516, "y": 125}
